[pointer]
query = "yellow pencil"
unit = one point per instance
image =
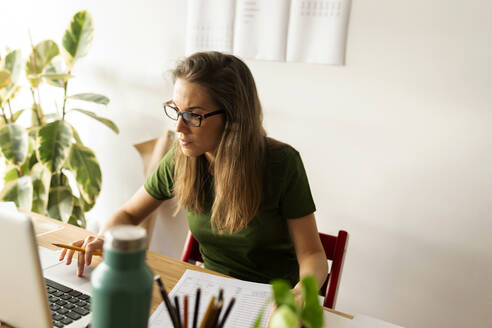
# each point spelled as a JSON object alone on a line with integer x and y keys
{"x": 206, "y": 316}
{"x": 75, "y": 248}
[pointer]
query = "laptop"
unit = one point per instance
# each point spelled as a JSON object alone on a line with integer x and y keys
{"x": 27, "y": 298}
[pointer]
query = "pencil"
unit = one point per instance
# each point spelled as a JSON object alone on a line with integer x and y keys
{"x": 197, "y": 306}
{"x": 206, "y": 316}
{"x": 165, "y": 298}
{"x": 216, "y": 315}
{"x": 226, "y": 313}
{"x": 75, "y": 248}
{"x": 176, "y": 302}
{"x": 185, "y": 312}
{"x": 221, "y": 300}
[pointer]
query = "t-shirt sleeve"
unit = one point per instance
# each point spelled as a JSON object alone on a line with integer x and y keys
{"x": 296, "y": 200}
{"x": 161, "y": 181}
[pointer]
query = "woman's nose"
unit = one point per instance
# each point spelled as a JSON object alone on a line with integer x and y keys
{"x": 181, "y": 125}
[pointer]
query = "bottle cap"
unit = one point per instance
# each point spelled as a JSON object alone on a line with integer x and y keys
{"x": 125, "y": 238}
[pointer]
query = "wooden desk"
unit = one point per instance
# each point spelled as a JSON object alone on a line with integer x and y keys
{"x": 168, "y": 268}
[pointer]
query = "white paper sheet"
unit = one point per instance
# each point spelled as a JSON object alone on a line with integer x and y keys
{"x": 260, "y": 29}
{"x": 318, "y": 31}
{"x": 250, "y": 299}
{"x": 210, "y": 25}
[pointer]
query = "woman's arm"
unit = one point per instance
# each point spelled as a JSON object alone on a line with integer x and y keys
{"x": 309, "y": 251}
{"x": 133, "y": 212}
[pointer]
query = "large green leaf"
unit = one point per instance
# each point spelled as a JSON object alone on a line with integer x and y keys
{"x": 110, "y": 124}
{"x": 60, "y": 203}
{"x": 13, "y": 63}
{"x": 282, "y": 294}
{"x": 60, "y": 179}
{"x": 30, "y": 158}
{"x": 29, "y": 163}
{"x": 55, "y": 73}
{"x": 18, "y": 191}
{"x": 76, "y": 136}
{"x": 54, "y": 140}
{"x": 41, "y": 177}
{"x": 40, "y": 57}
{"x": 86, "y": 206}
{"x": 11, "y": 173}
{"x": 78, "y": 37}
{"x": 5, "y": 78}
{"x": 14, "y": 143}
{"x": 85, "y": 167}
{"x": 92, "y": 97}
{"x": 33, "y": 132}
{"x": 312, "y": 313}
{"x": 9, "y": 93}
{"x": 78, "y": 217}
{"x": 284, "y": 317}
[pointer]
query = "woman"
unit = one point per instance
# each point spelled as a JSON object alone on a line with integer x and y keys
{"x": 247, "y": 196}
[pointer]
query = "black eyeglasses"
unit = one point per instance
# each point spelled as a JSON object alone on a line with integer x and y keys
{"x": 191, "y": 119}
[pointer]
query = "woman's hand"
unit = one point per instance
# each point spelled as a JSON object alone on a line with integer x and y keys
{"x": 90, "y": 244}
{"x": 296, "y": 291}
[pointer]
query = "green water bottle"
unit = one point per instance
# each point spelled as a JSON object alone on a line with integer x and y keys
{"x": 122, "y": 283}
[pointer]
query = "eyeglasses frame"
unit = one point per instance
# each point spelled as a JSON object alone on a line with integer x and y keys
{"x": 201, "y": 117}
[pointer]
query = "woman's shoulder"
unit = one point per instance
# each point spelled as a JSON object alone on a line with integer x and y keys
{"x": 168, "y": 161}
{"x": 280, "y": 157}
{"x": 279, "y": 151}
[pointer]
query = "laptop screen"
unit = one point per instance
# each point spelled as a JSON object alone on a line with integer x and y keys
{"x": 24, "y": 300}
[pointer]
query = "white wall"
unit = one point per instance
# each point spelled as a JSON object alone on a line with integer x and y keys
{"x": 396, "y": 143}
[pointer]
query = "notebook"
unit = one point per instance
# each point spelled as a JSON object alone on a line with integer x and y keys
{"x": 251, "y": 299}
{"x": 31, "y": 297}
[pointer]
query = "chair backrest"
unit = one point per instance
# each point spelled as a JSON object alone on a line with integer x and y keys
{"x": 334, "y": 247}
{"x": 191, "y": 251}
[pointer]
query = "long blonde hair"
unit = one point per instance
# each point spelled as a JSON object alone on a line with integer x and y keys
{"x": 238, "y": 168}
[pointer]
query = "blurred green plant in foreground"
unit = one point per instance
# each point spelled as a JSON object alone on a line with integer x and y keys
{"x": 289, "y": 313}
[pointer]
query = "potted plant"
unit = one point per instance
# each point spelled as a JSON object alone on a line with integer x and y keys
{"x": 42, "y": 158}
{"x": 291, "y": 313}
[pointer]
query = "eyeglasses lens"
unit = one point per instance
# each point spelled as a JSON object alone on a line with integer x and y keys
{"x": 188, "y": 117}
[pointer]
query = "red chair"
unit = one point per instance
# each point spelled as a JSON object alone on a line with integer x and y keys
{"x": 191, "y": 251}
{"x": 334, "y": 247}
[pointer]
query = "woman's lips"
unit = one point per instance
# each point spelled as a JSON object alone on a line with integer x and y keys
{"x": 184, "y": 142}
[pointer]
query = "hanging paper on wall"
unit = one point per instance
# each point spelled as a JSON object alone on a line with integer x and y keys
{"x": 318, "y": 31}
{"x": 210, "y": 25}
{"x": 309, "y": 31}
{"x": 260, "y": 29}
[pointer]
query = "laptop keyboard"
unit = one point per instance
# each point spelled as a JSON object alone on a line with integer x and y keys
{"x": 67, "y": 305}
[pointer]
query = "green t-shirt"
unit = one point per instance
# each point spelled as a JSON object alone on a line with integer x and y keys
{"x": 263, "y": 250}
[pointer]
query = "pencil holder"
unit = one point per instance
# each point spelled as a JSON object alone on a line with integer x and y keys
{"x": 122, "y": 283}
